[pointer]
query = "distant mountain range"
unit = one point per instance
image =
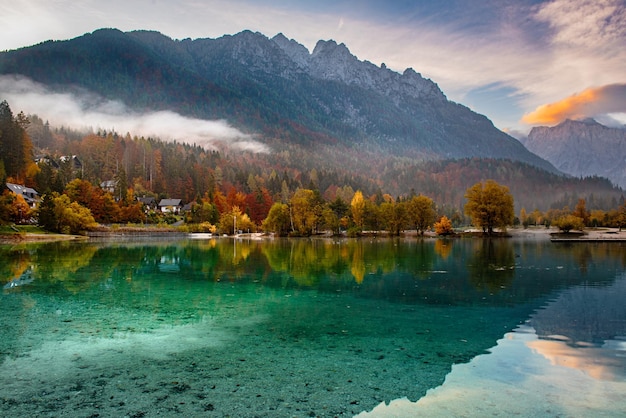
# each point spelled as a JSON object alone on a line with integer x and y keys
{"x": 274, "y": 87}
{"x": 582, "y": 148}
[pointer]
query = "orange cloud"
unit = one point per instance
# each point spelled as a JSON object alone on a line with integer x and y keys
{"x": 589, "y": 103}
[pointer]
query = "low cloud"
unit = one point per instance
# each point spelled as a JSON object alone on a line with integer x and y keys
{"x": 88, "y": 111}
{"x": 592, "y": 102}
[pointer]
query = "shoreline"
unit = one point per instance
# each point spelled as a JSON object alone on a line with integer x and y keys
{"x": 552, "y": 234}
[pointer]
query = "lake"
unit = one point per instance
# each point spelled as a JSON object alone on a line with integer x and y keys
{"x": 313, "y": 327}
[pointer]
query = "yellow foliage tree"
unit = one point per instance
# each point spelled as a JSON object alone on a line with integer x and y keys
{"x": 357, "y": 209}
{"x": 490, "y": 205}
{"x": 444, "y": 226}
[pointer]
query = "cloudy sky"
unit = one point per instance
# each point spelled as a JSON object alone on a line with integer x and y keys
{"x": 520, "y": 62}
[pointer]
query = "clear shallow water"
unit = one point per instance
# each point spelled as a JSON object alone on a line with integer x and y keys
{"x": 313, "y": 328}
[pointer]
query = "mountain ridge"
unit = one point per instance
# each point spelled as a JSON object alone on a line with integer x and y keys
{"x": 274, "y": 87}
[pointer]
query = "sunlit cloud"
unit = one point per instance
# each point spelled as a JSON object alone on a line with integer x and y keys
{"x": 588, "y": 103}
{"x": 92, "y": 112}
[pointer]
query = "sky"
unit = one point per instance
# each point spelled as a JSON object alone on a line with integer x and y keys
{"x": 522, "y": 63}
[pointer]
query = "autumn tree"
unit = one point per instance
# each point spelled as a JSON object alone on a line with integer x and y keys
{"x": 57, "y": 213}
{"x": 523, "y": 217}
{"x": 567, "y": 223}
{"x": 581, "y": 211}
{"x": 357, "y": 208}
{"x": 444, "y": 226}
{"x": 421, "y": 213}
{"x": 490, "y": 205}
{"x": 234, "y": 220}
{"x": 20, "y": 211}
{"x": 101, "y": 204}
{"x": 6, "y": 202}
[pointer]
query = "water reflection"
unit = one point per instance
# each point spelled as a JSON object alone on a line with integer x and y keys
{"x": 585, "y": 328}
{"x": 468, "y": 270}
{"x": 569, "y": 359}
{"x": 343, "y": 324}
{"x": 492, "y": 265}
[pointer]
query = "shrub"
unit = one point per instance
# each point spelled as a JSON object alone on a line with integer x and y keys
{"x": 569, "y": 222}
{"x": 444, "y": 226}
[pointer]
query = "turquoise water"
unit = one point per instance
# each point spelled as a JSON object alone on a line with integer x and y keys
{"x": 276, "y": 328}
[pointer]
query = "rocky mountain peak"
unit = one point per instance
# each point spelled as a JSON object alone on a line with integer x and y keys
{"x": 297, "y": 52}
{"x": 582, "y": 148}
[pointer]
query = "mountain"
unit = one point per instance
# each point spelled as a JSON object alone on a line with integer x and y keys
{"x": 582, "y": 148}
{"x": 274, "y": 88}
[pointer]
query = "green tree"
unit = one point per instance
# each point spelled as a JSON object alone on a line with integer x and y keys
{"x": 305, "y": 211}
{"x": 46, "y": 213}
{"x": 330, "y": 220}
{"x": 15, "y": 145}
{"x": 421, "y": 213}
{"x": 278, "y": 220}
{"x": 394, "y": 216}
{"x": 372, "y": 216}
{"x": 490, "y": 205}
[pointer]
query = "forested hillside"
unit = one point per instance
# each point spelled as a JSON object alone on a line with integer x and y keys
{"x": 273, "y": 88}
{"x": 103, "y": 177}
{"x": 165, "y": 169}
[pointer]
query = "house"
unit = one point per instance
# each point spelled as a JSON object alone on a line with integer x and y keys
{"x": 46, "y": 159}
{"x": 170, "y": 205}
{"x": 30, "y": 195}
{"x": 109, "y": 186}
{"x": 149, "y": 203}
{"x": 73, "y": 161}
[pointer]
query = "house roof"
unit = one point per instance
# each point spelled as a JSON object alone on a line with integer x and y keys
{"x": 30, "y": 195}
{"x": 19, "y": 189}
{"x": 147, "y": 200}
{"x": 170, "y": 202}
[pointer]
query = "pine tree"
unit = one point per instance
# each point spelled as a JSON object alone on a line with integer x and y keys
{"x": 47, "y": 214}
